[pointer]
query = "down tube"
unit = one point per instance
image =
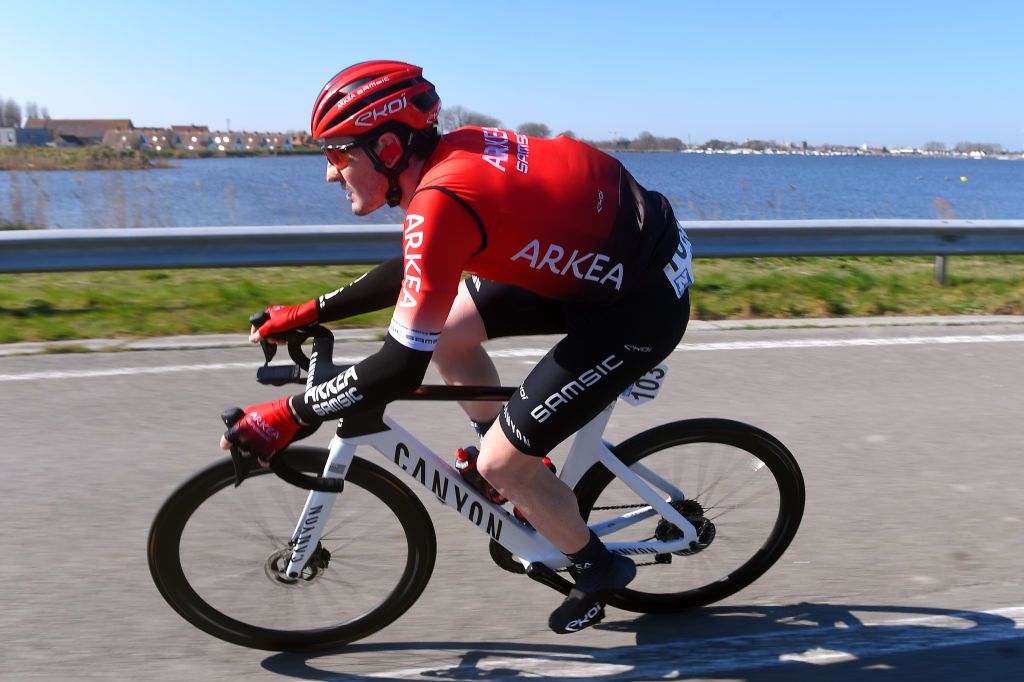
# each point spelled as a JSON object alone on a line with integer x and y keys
{"x": 441, "y": 478}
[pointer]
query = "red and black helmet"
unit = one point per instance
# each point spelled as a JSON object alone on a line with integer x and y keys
{"x": 369, "y": 94}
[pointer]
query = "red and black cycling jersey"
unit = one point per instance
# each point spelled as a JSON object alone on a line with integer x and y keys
{"x": 556, "y": 217}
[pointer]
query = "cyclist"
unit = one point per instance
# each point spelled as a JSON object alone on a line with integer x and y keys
{"x": 558, "y": 238}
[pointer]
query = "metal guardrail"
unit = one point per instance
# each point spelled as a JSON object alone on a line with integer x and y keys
{"x": 207, "y": 247}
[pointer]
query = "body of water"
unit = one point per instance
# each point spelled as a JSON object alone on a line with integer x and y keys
{"x": 290, "y": 190}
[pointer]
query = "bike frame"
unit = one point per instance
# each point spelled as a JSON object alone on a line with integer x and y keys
{"x": 437, "y": 475}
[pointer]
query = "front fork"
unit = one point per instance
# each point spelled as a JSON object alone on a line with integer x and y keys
{"x": 318, "y": 508}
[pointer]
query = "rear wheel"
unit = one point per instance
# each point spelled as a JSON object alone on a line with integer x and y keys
{"x": 743, "y": 492}
{"x": 217, "y": 553}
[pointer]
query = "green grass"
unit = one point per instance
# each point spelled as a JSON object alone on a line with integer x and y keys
{"x": 842, "y": 287}
{"x": 71, "y": 158}
{"x": 133, "y": 304}
{"x": 98, "y": 157}
{"x": 82, "y": 305}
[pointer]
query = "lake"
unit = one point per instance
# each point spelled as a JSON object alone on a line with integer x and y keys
{"x": 290, "y": 190}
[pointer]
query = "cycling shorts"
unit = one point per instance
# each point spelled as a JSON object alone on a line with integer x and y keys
{"x": 605, "y": 349}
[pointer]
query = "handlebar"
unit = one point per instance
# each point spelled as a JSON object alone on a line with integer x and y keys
{"x": 319, "y": 366}
{"x": 279, "y": 375}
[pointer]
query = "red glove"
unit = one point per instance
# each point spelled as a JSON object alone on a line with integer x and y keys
{"x": 265, "y": 429}
{"x": 284, "y": 318}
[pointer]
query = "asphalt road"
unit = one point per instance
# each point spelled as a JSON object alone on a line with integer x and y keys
{"x": 908, "y": 564}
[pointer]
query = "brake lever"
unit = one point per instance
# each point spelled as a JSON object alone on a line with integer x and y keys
{"x": 230, "y": 417}
{"x": 269, "y": 349}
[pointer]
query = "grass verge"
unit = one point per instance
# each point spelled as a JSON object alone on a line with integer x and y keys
{"x": 71, "y": 158}
{"x": 135, "y": 304}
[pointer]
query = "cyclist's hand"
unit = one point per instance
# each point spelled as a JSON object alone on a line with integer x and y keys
{"x": 284, "y": 318}
{"x": 264, "y": 430}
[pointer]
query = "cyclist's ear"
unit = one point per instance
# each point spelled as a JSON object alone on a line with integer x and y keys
{"x": 389, "y": 149}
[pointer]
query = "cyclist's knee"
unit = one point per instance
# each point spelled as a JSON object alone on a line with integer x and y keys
{"x": 501, "y": 463}
{"x": 463, "y": 329}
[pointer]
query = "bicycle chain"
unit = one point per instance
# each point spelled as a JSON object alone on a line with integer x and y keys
{"x": 618, "y": 506}
{"x": 624, "y": 506}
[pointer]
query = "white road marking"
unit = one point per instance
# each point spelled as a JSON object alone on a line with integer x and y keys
{"x": 789, "y": 645}
{"x": 803, "y": 343}
{"x": 540, "y": 352}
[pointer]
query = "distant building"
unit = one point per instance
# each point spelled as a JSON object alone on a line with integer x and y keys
{"x": 78, "y": 131}
{"x": 157, "y": 139}
{"x": 191, "y": 137}
{"x": 224, "y": 140}
{"x": 129, "y": 138}
{"x": 253, "y": 140}
{"x": 278, "y": 141}
{"x": 303, "y": 140}
{"x": 24, "y": 137}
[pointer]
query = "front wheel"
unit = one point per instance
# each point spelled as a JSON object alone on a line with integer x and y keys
{"x": 217, "y": 554}
{"x": 742, "y": 490}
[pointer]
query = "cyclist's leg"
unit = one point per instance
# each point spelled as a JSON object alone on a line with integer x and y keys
{"x": 606, "y": 349}
{"x": 487, "y": 310}
{"x": 460, "y": 358}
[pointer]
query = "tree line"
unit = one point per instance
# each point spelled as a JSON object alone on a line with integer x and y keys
{"x": 458, "y": 116}
{"x": 11, "y": 113}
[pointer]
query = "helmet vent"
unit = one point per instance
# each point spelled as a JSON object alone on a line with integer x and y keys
{"x": 425, "y": 100}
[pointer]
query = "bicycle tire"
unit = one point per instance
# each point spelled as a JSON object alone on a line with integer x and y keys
{"x": 414, "y": 545}
{"x": 740, "y": 442}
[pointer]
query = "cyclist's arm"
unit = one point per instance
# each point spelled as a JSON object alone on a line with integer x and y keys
{"x": 375, "y": 290}
{"x": 439, "y": 237}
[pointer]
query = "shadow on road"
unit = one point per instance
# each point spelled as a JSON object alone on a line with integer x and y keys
{"x": 757, "y": 643}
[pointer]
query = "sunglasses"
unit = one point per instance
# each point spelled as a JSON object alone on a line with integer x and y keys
{"x": 339, "y": 155}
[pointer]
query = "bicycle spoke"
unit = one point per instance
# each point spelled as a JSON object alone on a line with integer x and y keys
{"x": 221, "y": 559}
{"x": 733, "y": 498}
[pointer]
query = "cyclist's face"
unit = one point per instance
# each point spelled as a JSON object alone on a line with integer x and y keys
{"x": 367, "y": 189}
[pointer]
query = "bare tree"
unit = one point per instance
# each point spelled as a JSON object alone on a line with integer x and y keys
{"x": 983, "y": 147}
{"x": 482, "y": 120}
{"x": 10, "y": 114}
{"x": 567, "y": 133}
{"x": 934, "y": 146}
{"x": 534, "y": 129}
{"x": 458, "y": 116}
{"x": 31, "y": 110}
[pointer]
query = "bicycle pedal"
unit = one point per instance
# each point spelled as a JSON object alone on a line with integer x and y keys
{"x": 545, "y": 576}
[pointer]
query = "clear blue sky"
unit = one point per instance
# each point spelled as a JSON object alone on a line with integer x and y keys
{"x": 881, "y": 72}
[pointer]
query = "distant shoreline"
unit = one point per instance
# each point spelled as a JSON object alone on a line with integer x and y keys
{"x": 98, "y": 158}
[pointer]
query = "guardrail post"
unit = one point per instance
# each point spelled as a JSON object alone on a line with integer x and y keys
{"x": 940, "y": 270}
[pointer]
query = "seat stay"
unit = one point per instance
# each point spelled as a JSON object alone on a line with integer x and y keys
{"x": 585, "y": 448}
{"x": 673, "y": 491}
{"x": 639, "y": 486}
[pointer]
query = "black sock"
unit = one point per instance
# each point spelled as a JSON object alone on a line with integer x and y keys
{"x": 482, "y": 426}
{"x": 593, "y": 555}
{"x": 596, "y": 568}
{"x": 590, "y": 561}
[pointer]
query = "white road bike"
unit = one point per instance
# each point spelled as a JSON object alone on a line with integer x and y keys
{"x": 704, "y": 506}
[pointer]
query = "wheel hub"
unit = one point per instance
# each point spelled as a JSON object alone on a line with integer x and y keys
{"x": 277, "y": 564}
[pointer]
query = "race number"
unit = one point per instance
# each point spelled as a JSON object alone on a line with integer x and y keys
{"x": 646, "y": 387}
